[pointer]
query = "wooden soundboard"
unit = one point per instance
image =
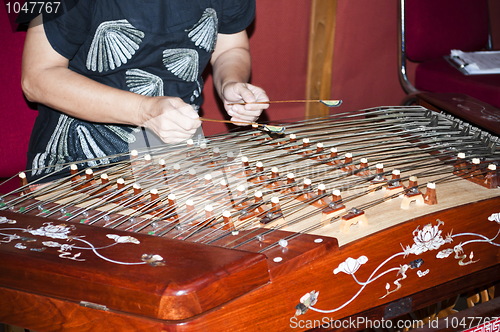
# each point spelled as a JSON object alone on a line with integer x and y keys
{"x": 66, "y": 273}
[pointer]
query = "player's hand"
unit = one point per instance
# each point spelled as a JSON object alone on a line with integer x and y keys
{"x": 170, "y": 118}
{"x": 243, "y": 93}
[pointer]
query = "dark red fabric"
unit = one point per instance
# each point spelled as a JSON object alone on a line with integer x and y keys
{"x": 439, "y": 76}
{"x": 434, "y": 27}
{"x": 16, "y": 118}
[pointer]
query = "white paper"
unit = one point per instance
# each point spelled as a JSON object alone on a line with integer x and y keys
{"x": 476, "y": 63}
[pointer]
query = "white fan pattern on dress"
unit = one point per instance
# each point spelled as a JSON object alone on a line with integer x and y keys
{"x": 114, "y": 43}
{"x": 204, "y": 33}
{"x": 182, "y": 62}
{"x": 55, "y": 148}
{"x": 92, "y": 142}
{"x": 144, "y": 83}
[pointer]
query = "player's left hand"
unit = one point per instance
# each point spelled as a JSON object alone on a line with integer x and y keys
{"x": 243, "y": 93}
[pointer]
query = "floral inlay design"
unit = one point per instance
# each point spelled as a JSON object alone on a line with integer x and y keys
{"x": 68, "y": 245}
{"x": 427, "y": 238}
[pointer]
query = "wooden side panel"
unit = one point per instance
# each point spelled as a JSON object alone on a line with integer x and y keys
{"x": 41, "y": 313}
{"x": 463, "y": 107}
{"x": 443, "y": 253}
{"x": 273, "y": 306}
{"x": 320, "y": 55}
{"x": 84, "y": 263}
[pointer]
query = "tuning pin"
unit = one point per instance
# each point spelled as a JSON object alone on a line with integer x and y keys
{"x": 120, "y": 183}
{"x": 229, "y": 156}
{"x": 23, "y": 182}
{"x": 430, "y": 197}
{"x": 209, "y": 211}
{"x": 336, "y": 196}
{"x": 395, "y": 181}
{"x": 136, "y": 189}
{"x": 475, "y": 168}
{"x": 319, "y": 148}
{"x": 275, "y": 204}
{"x": 291, "y": 185}
{"x": 216, "y": 152}
{"x": 22, "y": 179}
{"x": 347, "y": 163}
{"x": 274, "y": 212}
{"x": 333, "y": 156}
{"x": 413, "y": 184}
{"x": 176, "y": 168}
{"x": 207, "y": 180}
{"x": 228, "y": 224}
{"x": 491, "y": 177}
{"x": 307, "y": 185}
{"x": 379, "y": 174}
{"x": 305, "y": 146}
{"x": 256, "y": 131}
{"x": 203, "y": 148}
{"x": 259, "y": 167}
{"x": 258, "y": 197}
{"x": 189, "y": 206}
{"x": 307, "y": 194}
{"x": 241, "y": 195}
{"x": 73, "y": 170}
{"x": 192, "y": 173}
{"x": 292, "y": 143}
{"x": 321, "y": 200}
{"x": 460, "y": 164}
{"x": 89, "y": 178}
{"x": 134, "y": 154}
{"x": 154, "y": 195}
{"x": 104, "y": 179}
{"x": 89, "y": 174}
{"x": 190, "y": 148}
{"x": 363, "y": 169}
{"x": 321, "y": 189}
{"x": 275, "y": 173}
{"x": 335, "y": 203}
{"x": 246, "y": 166}
{"x": 412, "y": 194}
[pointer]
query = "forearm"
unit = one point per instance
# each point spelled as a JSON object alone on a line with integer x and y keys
{"x": 47, "y": 79}
{"x": 233, "y": 65}
{"x": 81, "y": 97}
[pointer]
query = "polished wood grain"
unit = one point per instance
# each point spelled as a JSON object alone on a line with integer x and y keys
{"x": 400, "y": 258}
{"x": 194, "y": 279}
{"x": 272, "y": 305}
{"x": 320, "y": 55}
{"x": 464, "y": 107}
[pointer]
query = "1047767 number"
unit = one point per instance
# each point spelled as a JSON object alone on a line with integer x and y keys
{"x": 32, "y": 7}
{"x": 470, "y": 323}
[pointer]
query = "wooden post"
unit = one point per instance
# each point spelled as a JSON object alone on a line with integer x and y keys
{"x": 320, "y": 55}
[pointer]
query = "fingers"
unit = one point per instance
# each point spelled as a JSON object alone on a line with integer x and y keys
{"x": 174, "y": 120}
{"x": 185, "y": 117}
{"x": 244, "y": 116}
{"x": 247, "y": 93}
